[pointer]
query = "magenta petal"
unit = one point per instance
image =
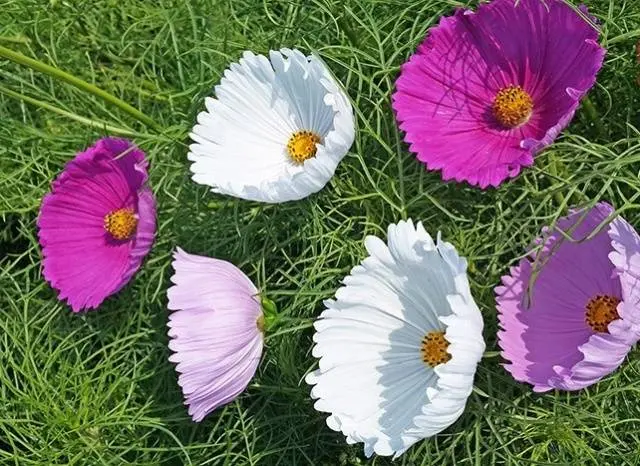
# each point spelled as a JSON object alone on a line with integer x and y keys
{"x": 548, "y": 342}
{"x": 145, "y": 233}
{"x": 81, "y": 260}
{"x": 445, "y": 92}
{"x": 214, "y": 332}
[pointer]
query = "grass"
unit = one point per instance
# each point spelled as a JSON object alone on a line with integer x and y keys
{"x": 98, "y": 389}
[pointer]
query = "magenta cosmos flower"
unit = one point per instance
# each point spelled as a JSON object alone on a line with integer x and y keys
{"x": 97, "y": 224}
{"x": 487, "y": 90}
{"x": 570, "y": 312}
{"x": 215, "y": 330}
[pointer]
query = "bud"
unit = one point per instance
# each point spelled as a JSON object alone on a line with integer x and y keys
{"x": 270, "y": 313}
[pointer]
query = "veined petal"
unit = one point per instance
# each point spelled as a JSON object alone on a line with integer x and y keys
{"x": 373, "y": 378}
{"x": 569, "y": 312}
{"x": 82, "y": 259}
{"x": 214, "y": 331}
{"x": 241, "y": 140}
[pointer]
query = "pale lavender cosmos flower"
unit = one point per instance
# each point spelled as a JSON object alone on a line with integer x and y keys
{"x": 216, "y": 331}
{"x": 575, "y": 321}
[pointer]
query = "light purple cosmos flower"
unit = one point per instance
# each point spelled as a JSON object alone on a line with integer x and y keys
{"x": 575, "y": 321}
{"x": 215, "y": 330}
{"x": 487, "y": 90}
{"x": 97, "y": 224}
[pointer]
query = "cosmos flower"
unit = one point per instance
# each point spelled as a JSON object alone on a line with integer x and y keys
{"x": 399, "y": 345}
{"x": 216, "y": 331}
{"x": 97, "y": 224}
{"x": 570, "y": 312}
{"x": 276, "y": 130}
{"x": 487, "y": 90}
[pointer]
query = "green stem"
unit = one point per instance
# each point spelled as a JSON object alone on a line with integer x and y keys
{"x": 79, "y": 83}
{"x": 73, "y": 116}
{"x": 553, "y": 170}
{"x": 348, "y": 31}
{"x": 592, "y": 114}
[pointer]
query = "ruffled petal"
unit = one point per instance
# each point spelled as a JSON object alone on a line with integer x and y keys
{"x": 626, "y": 258}
{"x": 445, "y": 92}
{"x": 145, "y": 233}
{"x": 602, "y": 354}
{"x": 371, "y": 377}
{"x": 81, "y": 260}
{"x": 214, "y": 333}
{"x": 240, "y": 141}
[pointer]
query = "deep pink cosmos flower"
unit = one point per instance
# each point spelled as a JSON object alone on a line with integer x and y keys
{"x": 570, "y": 312}
{"x": 97, "y": 224}
{"x": 216, "y": 331}
{"x": 487, "y": 90}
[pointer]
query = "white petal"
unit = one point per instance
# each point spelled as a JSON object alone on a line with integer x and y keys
{"x": 240, "y": 139}
{"x": 371, "y": 377}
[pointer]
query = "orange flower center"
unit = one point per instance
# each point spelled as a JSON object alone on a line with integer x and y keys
{"x": 434, "y": 349}
{"x": 302, "y": 146}
{"x": 512, "y": 106}
{"x": 601, "y": 311}
{"x": 121, "y": 223}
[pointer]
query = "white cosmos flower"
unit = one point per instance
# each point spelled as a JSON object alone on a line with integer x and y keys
{"x": 399, "y": 345}
{"x": 276, "y": 130}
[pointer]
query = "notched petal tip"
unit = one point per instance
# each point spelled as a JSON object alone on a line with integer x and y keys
{"x": 419, "y": 88}
{"x": 91, "y": 185}
{"x": 373, "y": 298}
{"x": 278, "y": 111}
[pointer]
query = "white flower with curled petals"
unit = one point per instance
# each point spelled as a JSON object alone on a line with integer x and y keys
{"x": 276, "y": 130}
{"x": 399, "y": 345}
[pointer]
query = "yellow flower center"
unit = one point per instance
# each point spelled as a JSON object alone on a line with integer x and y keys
{"x": 302, "y": 146}
{"x": 512, "y": 106}
{"x": 121, "y": 223}
{"x": 434, "y": 349}
{"x": 601, "y": 311}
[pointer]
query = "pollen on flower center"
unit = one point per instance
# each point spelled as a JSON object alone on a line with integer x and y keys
{"x": 302, "y": 145}
{"x": 512, "y": 106}
{"x": 121, "y": 223}
{"x": 601, "y": 311}
{"x": 434, "y": 349}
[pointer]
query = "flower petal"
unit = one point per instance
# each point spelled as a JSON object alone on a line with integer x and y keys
{"x": 445, "y": 92}
{"x": 81, "y": 259}
{"x": 214, "y": 334}
{"x": 626, "y": 258}
{"x": 240, "y": 141}
{"x": 371, "y": 377}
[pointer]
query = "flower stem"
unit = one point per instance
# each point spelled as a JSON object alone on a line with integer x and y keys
{"x": 592, "y": 114}
{"x": 554, "y": 169}
{"x": 79, "y": 83}
{"x": 86, "y": 121}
